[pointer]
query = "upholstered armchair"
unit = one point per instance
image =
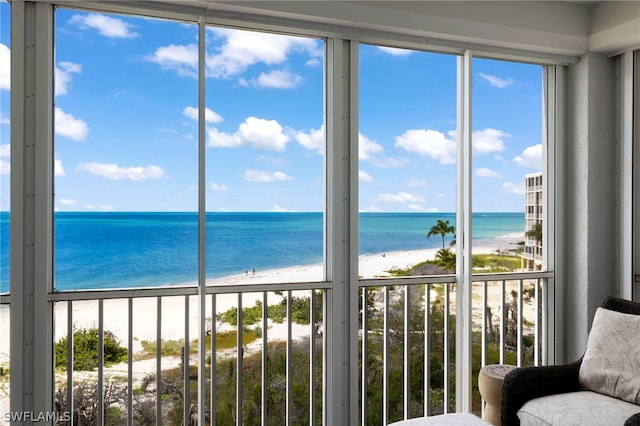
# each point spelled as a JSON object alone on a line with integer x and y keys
{"x": 601, "y": 388}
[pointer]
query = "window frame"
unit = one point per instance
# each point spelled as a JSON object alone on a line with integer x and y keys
{"x": 32, "y": 207}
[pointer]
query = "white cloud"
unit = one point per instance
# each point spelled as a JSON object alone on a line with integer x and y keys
{"x": 115, "y": 172}
{"x": 102, "y": 207}
{"x": 4, "y": 120}
{"x": 263, "y": 176}
{"x": 430, "y": 143}
{"x": 62, "y": 76}
{"x": 513, "y": 188}
{"x": 67, "y": 202}
{"x": 263, "y": 134}
{"x": 5, "y": 152}
{"x": 216, "y": 138}
{"x": 313, "y": 62}
{"x": 210, "y": 116}
{"x": 278, "y": 79}
{"x": 366, "y": 147}
{"x": 395, "y": 51}
{"x": 5, "y": 67}
{"x": 182, "y": 59}
{"x": 487, "y": 173}
{"x": 237, "y": 50}
{"x": 417, "y": 183}
{"x": 58, "y": 170}
{"x": 488, "y": 140}
{"x": 255, "y": 132}
{"x": 531, "y": 157}
{"x": 241, "y": 49}
{"x": 314, "y": 140}
{"x": 218, "y": 187}
{"x": 277, "y": 208}
{"x": 365, "y": 177}
{"x": 69, "y": 126}
{"x": 496, "y": 81}
{"x": 105, "y": 25}
{"x": 412, "y": 201}
{"x": 400, "y": 197}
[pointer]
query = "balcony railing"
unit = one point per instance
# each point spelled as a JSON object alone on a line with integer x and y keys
{"x": 407, "y": 352}
{"x": 508, "y": 327}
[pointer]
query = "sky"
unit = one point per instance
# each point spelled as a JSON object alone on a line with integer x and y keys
{"x": 126, "y": 130}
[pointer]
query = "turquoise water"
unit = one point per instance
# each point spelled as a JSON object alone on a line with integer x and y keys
{"x": 110, "y": 250}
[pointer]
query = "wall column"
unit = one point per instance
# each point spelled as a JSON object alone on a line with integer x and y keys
{"x": 31, "y": 207}
{"x": 590, "y": 213}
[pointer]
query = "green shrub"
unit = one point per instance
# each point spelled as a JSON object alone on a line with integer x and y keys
{"x": 85, "y": 350}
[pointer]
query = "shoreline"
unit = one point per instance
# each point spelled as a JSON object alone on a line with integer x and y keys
{"x": 115, "y": 320}
{"x": 173, "y": 327}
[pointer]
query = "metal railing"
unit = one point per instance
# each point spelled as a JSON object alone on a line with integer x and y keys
{"x": 269, "y": 363}
{"x": 255, "y": 374}
{"x": 407, "y": 352}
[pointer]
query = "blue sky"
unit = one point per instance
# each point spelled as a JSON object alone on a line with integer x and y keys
{"x": 126, "y": 129}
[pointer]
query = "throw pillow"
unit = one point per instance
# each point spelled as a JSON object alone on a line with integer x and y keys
{"x": 611, "y": 363}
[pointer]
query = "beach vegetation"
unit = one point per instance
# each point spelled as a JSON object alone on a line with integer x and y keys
{"x": 488, "y": 263}
{"x": 229, "y": 339}
{"x": 171, "y": 386}
{"x": 277, "y": 313}
{"x": 445, "y": 262}
{"x": 441, "y": 228}
{"x": 85, "y": 402}
{"x": 167, "y": 348}
{"x": 85, "y": 350}
{"x": 535, "y": 233}
{"x": 446, "y": 259}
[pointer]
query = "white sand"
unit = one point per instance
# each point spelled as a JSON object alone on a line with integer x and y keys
{"x": 116, "y": 313}
{"x": 85, "y": 313}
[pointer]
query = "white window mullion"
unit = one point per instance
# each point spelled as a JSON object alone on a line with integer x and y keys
{"x": 202, "y": 228}
{"x": 341, "y": 301}
{"x": 463, "y": 237}
{"x": 553, "y": 214}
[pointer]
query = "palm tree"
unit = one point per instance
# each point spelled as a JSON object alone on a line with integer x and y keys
{"x": 442, "y": 228}
{"x": 535, "y": 233}
{"x": 447, "y": 259}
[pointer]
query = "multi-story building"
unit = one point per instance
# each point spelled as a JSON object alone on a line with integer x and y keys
{"x": 532, "y": 255}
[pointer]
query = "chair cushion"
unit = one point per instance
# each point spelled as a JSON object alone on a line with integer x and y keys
{"x": 611, "y": 363}
{"x": 576, "y": 408}
{"x": 453, "y": 419}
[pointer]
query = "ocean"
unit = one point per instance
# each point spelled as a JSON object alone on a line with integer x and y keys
{"x": 121, "y": 250}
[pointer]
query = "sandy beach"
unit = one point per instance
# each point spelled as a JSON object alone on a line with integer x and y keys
{"x": 85, "y": 313}
{"x": 116, "y": 319}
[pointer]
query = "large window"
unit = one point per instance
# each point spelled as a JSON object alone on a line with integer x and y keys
{"x": 192, "y": 167}
{"x": 125, "y": 155}
{"x": 407, "y": 157}
{"x": 265, "y": 156}
{"x": 508, "y": 196}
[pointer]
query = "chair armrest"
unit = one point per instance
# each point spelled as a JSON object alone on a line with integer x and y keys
{"x": 633, "y": 420}
{"x": 524, "y": 384}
